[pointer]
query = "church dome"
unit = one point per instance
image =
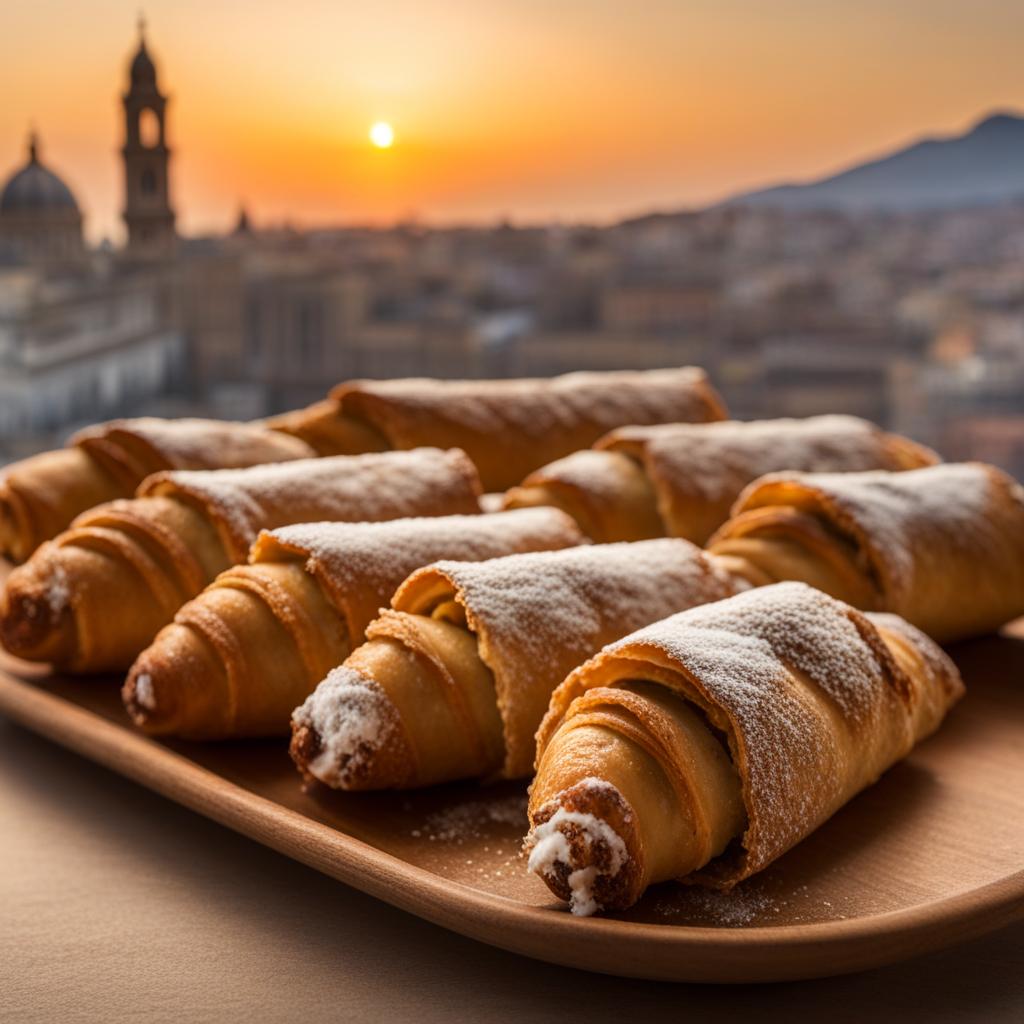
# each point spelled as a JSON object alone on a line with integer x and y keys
{"x": 35, "y": 187}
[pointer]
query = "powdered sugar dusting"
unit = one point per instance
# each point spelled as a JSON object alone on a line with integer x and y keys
{"x": 353, "y": 718}
{"x": 732, "y": 909}
{"x": 756, "y": 901}
{"x": 717, "y": 460}
{"x": 374, "y": 558}
{"x": 374, "y": 487}
{"x": 593, "y": 472}
{"x": 200, "y": 444}
{"x": 809, "y": 631}
{"x": 740, "y": 651}
{"x": 464, "y": 822}
{"x": 898, "y": 515}
{"x": 540, "y": 615}
{"x": 531, "y": 409}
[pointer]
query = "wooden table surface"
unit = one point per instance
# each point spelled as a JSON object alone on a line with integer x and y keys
{"x": 117, "y": 905}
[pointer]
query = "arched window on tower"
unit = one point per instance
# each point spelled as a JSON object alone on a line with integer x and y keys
{"x": 149, "y": 128}
{"x": 147, "y": 182}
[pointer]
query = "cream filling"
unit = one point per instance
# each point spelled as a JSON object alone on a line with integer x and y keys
{"x": 58, "y": 592}
{"x": 144, "y": 695}
{"x": 353, "y": 718}
{"x": 549, "y": 847}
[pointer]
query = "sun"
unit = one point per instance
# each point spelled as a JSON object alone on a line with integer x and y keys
{"x": 382, "y": 135}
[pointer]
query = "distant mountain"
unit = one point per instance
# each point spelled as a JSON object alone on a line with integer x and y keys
{"x": 985, "y": 165}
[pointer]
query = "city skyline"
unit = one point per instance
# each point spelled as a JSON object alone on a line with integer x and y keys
{"x": 625, "y": 131}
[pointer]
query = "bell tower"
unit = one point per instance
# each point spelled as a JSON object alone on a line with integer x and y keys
{"x": 147, "y": 206}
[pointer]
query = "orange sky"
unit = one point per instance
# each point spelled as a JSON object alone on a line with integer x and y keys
{"x": 534, "y": 109}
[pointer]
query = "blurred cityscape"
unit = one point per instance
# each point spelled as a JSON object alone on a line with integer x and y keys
{"x": 913, "y": 318}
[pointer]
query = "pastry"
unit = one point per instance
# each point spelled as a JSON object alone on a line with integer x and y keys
{"x": 507, "y": 427}
{"x": 94, "y": 597}
{"x": 705, "y": 746}
{"x": 680, "y": 479}
{"x": 239, "y": 657}
{"x": 41, "y": 495}
{"x": 453, "y": 681}
{"x": 943, "y": 547}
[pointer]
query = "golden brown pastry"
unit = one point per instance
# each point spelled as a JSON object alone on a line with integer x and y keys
{"x": 239, "y": 657}
{"x": 40, "y": 496}
{"x": 94, "y": 597}
{"x": 705, "y": 746}
{"x": 507, "y": 427}
{"x": 680, "y": 479}
{"x": 323, "y": 426}
{"x": 453, "y": 682}
{"x": 942, "y": 547}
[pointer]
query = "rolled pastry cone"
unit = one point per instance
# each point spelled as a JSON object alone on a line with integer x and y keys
{"x": 324, "y": 428}
{"x": 681, "y": 479}
{"x": 94, "y": 597}
{"x": 705, "y": 746}
{"x": 239, "y": 657}
{"x": 507, "y": 427}
{"x": 942, "y": 547}
{"x": 453, "y": 681}
{"x": 606, "y": 492}
{"x": 41, "y": 495}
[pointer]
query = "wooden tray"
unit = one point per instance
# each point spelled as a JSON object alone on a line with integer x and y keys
{"x": 931, "y": 855}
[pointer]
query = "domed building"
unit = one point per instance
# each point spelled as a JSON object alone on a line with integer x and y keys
{"x": 88, "y": 334}
{"x": 40, "y": 221}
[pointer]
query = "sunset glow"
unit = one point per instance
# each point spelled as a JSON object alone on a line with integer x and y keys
{"x": 382, "y": 135}
{"x": 590, "y": 109}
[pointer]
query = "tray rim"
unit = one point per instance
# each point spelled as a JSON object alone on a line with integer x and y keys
{"x": 663, "y": 952}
